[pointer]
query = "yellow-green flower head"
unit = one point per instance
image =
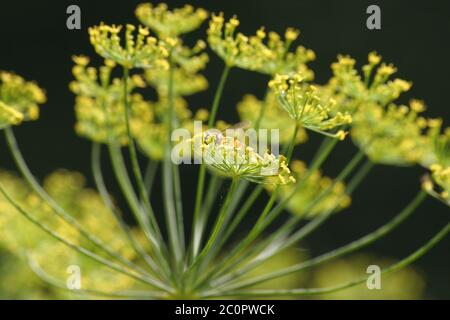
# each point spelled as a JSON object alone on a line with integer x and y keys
{"x": 184, "y": 83}
{"x": 273, "y": 118}
{"x": 19, "y": 99}
{"x": 392, "y": 135}
{"x": 187, "y": 62}
{"x": 166, "y": 23}
{"x": 438, "y": 145}
{"x": 313, "y": 187}
{"x": 439, "y": 184}
{"x": 352, "y": 89}
{"x": 300, "y": 101}
{"x": 99, "y": 106}
{"x": 263, "y": 52}
{"x": 138, "y": 51}
{"x": 152, "y": 135}
{"x": 228, "y": 156}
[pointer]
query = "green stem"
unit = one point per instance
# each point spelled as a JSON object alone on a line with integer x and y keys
{"x": 149, "y": 176}
{"x": 172, "y": 203}
{"x": 213, "y": 189}
{"x": 202, "y": 170}
{"x": 134, "y": 159}
{"x": 316, "y": 291}
{"x": 57, "y": 209}
{"x": 104, "y": 194}
{"x": 114, "y": 266}
{"x": 346, "y": 249}
{"x": 219, "y": 222}
{"x": 52, "y": 281}
{"x": 233, "y": 258}
{"x": 127, "y": 190}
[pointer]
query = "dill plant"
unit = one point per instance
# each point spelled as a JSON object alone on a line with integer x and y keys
{"x": 71, "y": 224}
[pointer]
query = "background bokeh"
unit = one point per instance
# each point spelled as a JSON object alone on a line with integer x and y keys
{"x": 36, "y": 44}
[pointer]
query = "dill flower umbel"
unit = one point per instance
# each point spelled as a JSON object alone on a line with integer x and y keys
{"x": 301, "y": 203}
{"x": 300, "y": 101}
{"x": 392, "y": 136}
{"x": 141, "y": 51}
{"x": 170, "y": 23}
{"x": 351, "y": 89}
{"x": 273, "y": 118}
{"x": 228, "y": 156}
{"x": 99, "y": 103}
{"x": 186, "y": 64}
{"x": 254, "y": 53}
{"x": 19, "y": 99}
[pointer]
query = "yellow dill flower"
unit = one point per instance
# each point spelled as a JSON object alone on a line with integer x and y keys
{"x": 166, "y": 23}
{"x": 19, "y": 99}
{"x": 187, "y": 62}
{"x": 9, "y": 116}
{"x": 99, "y": 106}
{"x": 263, "y": 52}
{"x": 249, "y": 109}
{"x": 300, "y": 101}
{"x": 439, "y": 184}
{"x": 352, "y": 90}
{"x": 392, "y": 136}
{"x": 307, "y": 193}
{"x": 152, "y": 135}
{"x": 138, "y": 51}
{"x": 228, "y": 156}
{"x": 438, "y": 145}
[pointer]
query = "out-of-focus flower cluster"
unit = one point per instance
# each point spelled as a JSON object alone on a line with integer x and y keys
{"x": 172, "y": 23}
{"x": 19, "y": 99}
{"x": 304, "y": 202}
{"x": 273, "y": 118}
{"x": 24, "y": 240}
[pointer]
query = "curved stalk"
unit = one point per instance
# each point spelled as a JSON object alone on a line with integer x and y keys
{"x": 235, "y": 257}
{"x": 316, "y": 291}
{"x": 112, "y": 265}
{"x": 52, "y": 281}
{"x": 104, "y": 194}
{"x": 57, "y": 209}
{"x": 202, "y": 169}
{"x": 344, "y": 250}
{"x": 134, "y": 159}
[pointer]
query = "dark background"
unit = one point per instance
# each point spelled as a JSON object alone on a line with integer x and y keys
{"x": 35, "y": 43}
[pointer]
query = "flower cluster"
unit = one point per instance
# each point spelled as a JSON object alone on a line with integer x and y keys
{"x": 273, "y": 118}
{"x": 53, "y": 257}
{"x": 302, "y": 202}
{"x": 19, "y": 99}
{"x": 141, "y": 51}
{"x": 186, "y": 64}
{"x": 392, "y": 135}
{"x": 99, "y": 104}
{"x": 229, "y": 156}
{"x": 254, "y": 53}
{"x": 168, "y": 23}
{"x": 437, "y": 159}
{"x": 300, "y": 100}
{"x": 352, "y": 90}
